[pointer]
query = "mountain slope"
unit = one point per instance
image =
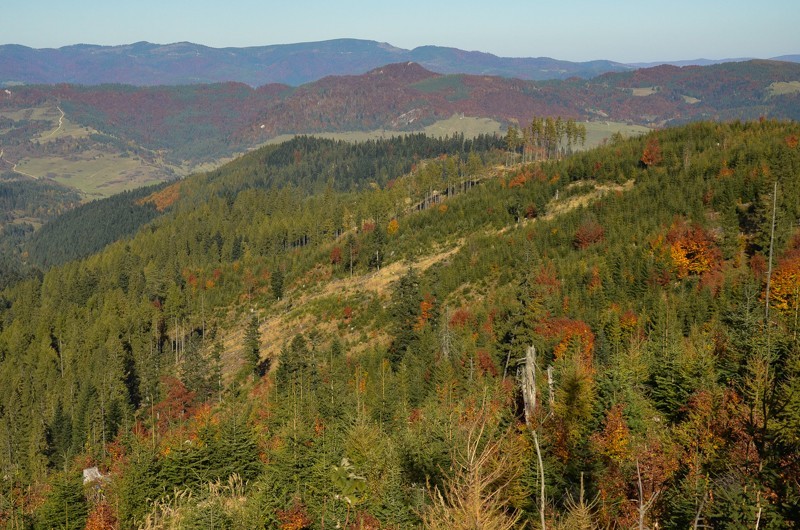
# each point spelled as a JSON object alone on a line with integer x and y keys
{"x": 204, "y": 122}
{"x": 245, "y": 356}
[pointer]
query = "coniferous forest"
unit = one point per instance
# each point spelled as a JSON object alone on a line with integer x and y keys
{"x": 411, "y": 333}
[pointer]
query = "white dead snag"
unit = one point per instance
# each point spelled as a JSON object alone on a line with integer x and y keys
{"x": 529, "y": 398}
{"x": 529, "y": 386}
{"x": 644, "y": 506}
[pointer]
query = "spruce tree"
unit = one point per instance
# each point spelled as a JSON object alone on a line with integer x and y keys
{"x": 65, "y": 507}
{"x": 252, "y": 345}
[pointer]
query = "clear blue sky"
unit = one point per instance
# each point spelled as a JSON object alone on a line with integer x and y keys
{"x": 577, "y": 30}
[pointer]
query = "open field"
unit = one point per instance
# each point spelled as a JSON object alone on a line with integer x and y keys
{"x": 469, "y": 126}
{"x": 783, "y": 88}
{"x": 598, "y": 131}
{"x": 96, "y": 175}
{"x": 644, "y": 91}
{"x": 66, "y": 129}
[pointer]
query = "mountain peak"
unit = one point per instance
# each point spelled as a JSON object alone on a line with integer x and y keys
{"x": 409, "y": 72}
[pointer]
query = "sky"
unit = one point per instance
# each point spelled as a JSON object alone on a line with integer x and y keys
{"x": 574, "y": 30}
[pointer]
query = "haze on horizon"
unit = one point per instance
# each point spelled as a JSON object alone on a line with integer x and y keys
{"x": 575, "y": 30}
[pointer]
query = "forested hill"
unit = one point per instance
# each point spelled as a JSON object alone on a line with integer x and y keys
{"x": 305, "y": 165}
{"x": 608, "y": 340}
{"x": 200, "y": 123}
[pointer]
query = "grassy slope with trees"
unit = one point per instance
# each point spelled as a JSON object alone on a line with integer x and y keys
{"x": 665, "y": 377}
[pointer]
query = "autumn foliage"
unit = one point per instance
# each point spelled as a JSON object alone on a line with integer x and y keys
{"x": 692, "y": 249}
{"x": 785, "y": 283}
{"x": 652, "y": 153}
{"x": 569, "y": 332}
{"x": 163, "y": 199}
{"x": 101, "y": 518}
{"x": 336, "y": 255}
{"x": 295, "y": 517}
{"x": 425, "y": 312}
{"x": 589, "y": 233}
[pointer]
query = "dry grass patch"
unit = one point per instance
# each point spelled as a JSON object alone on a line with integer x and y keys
{"x": 558, "y": 207}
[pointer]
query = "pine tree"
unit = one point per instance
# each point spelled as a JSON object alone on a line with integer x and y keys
{"x": 276, "y": 283}
{"x": 65, "y": 507}
{"x": 252, "y": 345}
{"x": 404, "y": 313}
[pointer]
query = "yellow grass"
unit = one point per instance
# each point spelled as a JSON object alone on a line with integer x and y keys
{"x": 289, "y": 317}
{"x": 645, "y": 91}
{"x": 780, "y": 88}
{"x": 558, "y": 207}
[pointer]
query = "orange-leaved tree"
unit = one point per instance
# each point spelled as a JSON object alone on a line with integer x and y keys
{"x": 652, "y": 153}
{"x": 692, "y": 249}
{"x": 785, "y": 281}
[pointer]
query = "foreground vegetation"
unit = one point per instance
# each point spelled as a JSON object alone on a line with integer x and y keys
{"x": 604, "y": 341}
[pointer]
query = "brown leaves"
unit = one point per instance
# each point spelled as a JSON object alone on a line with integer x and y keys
{"x": 101, "y": 518}
{"x": 295, "y": 517}
{"x": 589, "y": 233}
{"x": 652, "y": 153}
{"x": 569, "y": 332}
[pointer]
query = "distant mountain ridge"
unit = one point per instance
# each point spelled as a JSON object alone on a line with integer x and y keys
{"x": 205, "y": 122}
{"x": 147, "y": 64}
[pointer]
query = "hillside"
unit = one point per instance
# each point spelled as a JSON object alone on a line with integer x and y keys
{"x": 155, "y": 133}
{"x": 309, "y": 356}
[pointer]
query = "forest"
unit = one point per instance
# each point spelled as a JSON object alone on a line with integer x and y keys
{"x": 411, "y": 334}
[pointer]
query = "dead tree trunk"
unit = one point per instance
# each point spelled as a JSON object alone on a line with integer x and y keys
{"x": 529, "y": 398}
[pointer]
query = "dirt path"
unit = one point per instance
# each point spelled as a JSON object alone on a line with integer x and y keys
{"x": 60, "y": 124}
{"x": 14, "y": 167}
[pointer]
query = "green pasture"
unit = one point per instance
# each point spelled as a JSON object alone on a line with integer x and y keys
{"x": 101, "y": 175}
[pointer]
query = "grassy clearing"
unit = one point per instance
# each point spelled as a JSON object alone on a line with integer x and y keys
{"x": 294, "y": 314}
{"x": 470, "y": 127}
{"x": 599, "y": 131}
{"x": 645, "y": 91}
{"x": 42, "y": 113}
{"x": 558, "y": 207}
{"x": 780, "y": 88}
{"x": 66, "y": 130}
{"x": 96, "y": 175}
